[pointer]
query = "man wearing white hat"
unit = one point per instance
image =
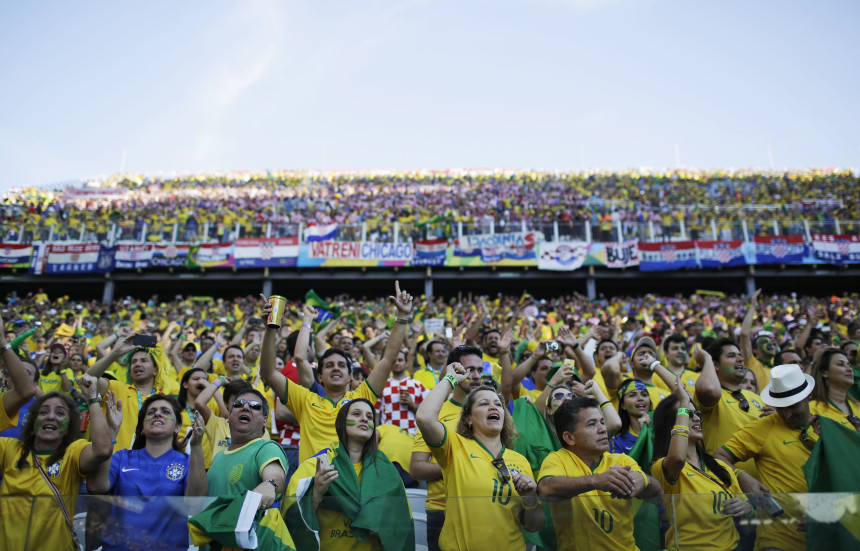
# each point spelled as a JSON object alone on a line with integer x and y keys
{"x": 780, "y": 445}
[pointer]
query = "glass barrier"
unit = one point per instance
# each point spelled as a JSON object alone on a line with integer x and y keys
{"x": 692, "y": 522}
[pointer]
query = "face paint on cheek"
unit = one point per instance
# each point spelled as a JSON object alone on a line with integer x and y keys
{"x": 350, "y": 422}
{"x": 63, "y": 426}
{"x": 37, "y": 426}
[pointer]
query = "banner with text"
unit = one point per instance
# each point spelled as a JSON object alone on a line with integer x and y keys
{"x": 836, "y": 249}
{"x": 261, "y": 252}
{"x": 354, "y": 253}
{"x": 562, "y": 255}
{"x": 15, "y": 255}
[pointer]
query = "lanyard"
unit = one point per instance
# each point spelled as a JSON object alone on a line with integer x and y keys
{"x": 140, "y": 398}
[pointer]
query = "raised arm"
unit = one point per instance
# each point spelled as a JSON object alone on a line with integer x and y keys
{"x": 206, "y": 358}
{"x": 403, "y": 306}
{"x": 321, "y": 337}
{"x": 270, "y": 375}
{"x": 98, "y": 482}
{"x": 611, "y": 370}
{"x": 24, "y": 386}
{"x": 300, "y": 353}
{"x": 427, "y": 416}
{"x": 746, "y": 327}
{"x": 610, "y": 414}
{"x": 708, "y": 389}
{"x": 507, "y": 375}
{"x": 471, "y": 335}
{"x": 98, "y": 369}
{"x": 201, "y": 403}
{"x": 367, "y": 348}
{"x": 525, "y": 368}
{"x": 676, "y": 457}
{"x": 574, "y": 346}
{"x": 197, "y": 483}
{"x": 101, "y": 446}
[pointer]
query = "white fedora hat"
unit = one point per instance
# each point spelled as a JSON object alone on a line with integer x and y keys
{"x": 788, "y": 385}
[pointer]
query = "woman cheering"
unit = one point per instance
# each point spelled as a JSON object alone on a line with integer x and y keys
{"x": 49, "y": 462}
{"x": 477, "y": 462}
{"x": 834, "y": 376}
{"x": 683, "y": 467}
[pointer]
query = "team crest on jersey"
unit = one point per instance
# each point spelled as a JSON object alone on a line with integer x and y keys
{"x": 54, "y": 470}
{"x": 344, "y": 402}
{"x": 236, "y": 473}
{"x": 175, "y": 471}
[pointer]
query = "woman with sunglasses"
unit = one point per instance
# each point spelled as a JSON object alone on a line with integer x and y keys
{"x": 686, "y": 473}
{"x": 335, "y": 488}
{"x": 834, "y": 376}
{"x": 477, "y": 462}
{"x": 148, "y": 475}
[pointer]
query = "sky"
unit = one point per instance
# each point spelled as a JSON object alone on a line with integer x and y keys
{"x": 94, "y": 88}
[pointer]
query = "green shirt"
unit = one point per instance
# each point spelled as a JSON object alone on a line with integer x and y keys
{"x": 235, "y": 472}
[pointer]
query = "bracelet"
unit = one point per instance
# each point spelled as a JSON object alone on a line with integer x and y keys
{"x": 273, "y": 483}
{"x": 575, "y": 345}
{"x": 602, "y": 405}
{"x": 680, "y": 427}
{"x": 316, "y": 499}
{"x": 308, "y": 325}
{"x": 654, "y": 365}
{"x": 403, "y": 321}
{"x": 527, "y": 508}
{"x": 5, "y": 347}
{"x": 683, "y": 411}
{"x": 217, "y": 382}
{"x": 685, "y": 434}
{"x": 451, "y": 379}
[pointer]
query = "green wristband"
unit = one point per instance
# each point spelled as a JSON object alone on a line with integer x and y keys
{"x": 683, "y": 411}
{"x": 451, "y": 379}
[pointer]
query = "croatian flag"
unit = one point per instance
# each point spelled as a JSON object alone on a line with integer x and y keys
{"x": 71, "y": 259}
{"x": 430, "y": 252}
{"x": 720, "y": 254}
{"x": 779, "y": 249}
{"x": 661, "y": 257}
{"x": 320, "y": 232}
{"x": 263, "y": 251}
{"x": 14, "y": 255}
{"x": 836, "y": 249}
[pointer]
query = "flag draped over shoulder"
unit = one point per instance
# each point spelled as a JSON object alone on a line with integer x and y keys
{"x": 325, "y": 312}
{"x": 376, "y": 505}
{"x": 832, "y": 467}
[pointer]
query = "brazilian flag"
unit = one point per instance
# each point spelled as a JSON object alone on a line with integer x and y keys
{"x": 646, "y": 522}
{"x": 831, "y": 467}
{"x": 192, "y": 260}
{"x": 325, "y": 312}
{"x": 220, "y": 526}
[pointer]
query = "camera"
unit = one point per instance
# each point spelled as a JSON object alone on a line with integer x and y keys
{"x": 552, "y": 346}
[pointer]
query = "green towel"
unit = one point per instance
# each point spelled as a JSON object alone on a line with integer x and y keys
{"x": 832, "y": 467}
{"x": 377, "y": 505}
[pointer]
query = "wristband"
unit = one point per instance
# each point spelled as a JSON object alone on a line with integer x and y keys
{"x": 451, "y": 379}
{"x": 575, "y": 345}
{"x": 5, "y": 347}
{"x": 683, "y": 411}
{"x": 529, "y": 508}
{"x": 685, "y": 434}
{"x": 403, "y": 321}
{"x": 306, "y": 325}
{"x": 680, "y": 427}
{"x": 602, "y": 405}
{"x": 654, "y": 365}
{"x": 217, "y": 382}
{"x": 273, "y": 483}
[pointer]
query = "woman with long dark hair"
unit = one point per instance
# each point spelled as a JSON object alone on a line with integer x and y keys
{"x": 634, "y": 406}
{"x": 834, "y": 376}
{"x": 350, "y": 493}
{"x": 43, "y": 470}
{"x": 155, "y": 469}
{"x": 684, "y": 467}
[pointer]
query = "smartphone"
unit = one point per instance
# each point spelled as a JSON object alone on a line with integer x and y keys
{"x": 145, "y": 341}
{"x": 324, "y": 461}
{"x": 552, "y": 346}
{"x": 766, "y": 502}
{"x": 449, "y": 333}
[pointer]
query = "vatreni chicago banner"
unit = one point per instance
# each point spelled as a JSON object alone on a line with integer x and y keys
{"x": 354, "y": 253}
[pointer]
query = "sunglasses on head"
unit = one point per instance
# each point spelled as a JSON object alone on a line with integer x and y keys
{"x": 743, "y": 403}
{"x": 502, "y": 470}
{"x": 253, "y": 404}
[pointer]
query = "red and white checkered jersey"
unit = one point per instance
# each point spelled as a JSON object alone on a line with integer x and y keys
{"x": 289, "y": 434}
{"x": 391, "y": 411}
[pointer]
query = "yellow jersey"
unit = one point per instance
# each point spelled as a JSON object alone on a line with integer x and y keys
{"x": 779, "y": 455}
{"x": 827, "y": 409}
{"x": 688, "y": 378}
{"x": 5, "y": 421}
{"x": 51, "y": 382}
{"x": 132, "y": 400}
{"x": 761, "y": 372}
{"x": 486, "y": 512}
{"x": 694, "y": 505}
{"x": 50, "y": 532}
{"x": 396, "y": 444}
{"x": 592, "y": 520}
{"x": 449, "y": 415}
{"x": 316, "y": 415}
{"x": 427, "y": 377}
{"x": 725, "y": 418}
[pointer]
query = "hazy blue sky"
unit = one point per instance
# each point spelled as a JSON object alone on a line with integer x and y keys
{"x": 568, "y": 84}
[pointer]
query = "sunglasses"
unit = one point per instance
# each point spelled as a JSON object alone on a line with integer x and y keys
{"x": 502, "y": 470}
{"x": 743, "y": 403}
{"x": 562, "y": 395}
{"x": 253, "y": 404}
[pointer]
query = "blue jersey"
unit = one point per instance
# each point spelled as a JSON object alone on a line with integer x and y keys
{"x": 147, "y": 517}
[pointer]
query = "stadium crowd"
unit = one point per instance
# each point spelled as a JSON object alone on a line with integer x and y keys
{"x": 285, "y": 199}
{"x": 580, "y": 424}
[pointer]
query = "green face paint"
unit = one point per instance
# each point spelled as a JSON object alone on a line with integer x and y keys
{"x": 167, "y": 417}
{"x": 63, "y": 425}
{"x": 352, "y": 423}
